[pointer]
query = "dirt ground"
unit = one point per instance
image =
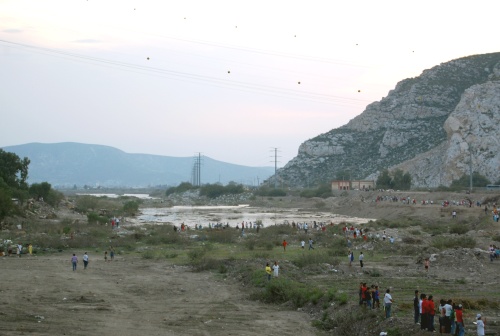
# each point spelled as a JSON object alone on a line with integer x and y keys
{"x": 41, "y": 295}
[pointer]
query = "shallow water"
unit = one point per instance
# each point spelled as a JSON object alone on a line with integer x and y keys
{"x": 234, "y": 215}
{"x": 140, "y": 196}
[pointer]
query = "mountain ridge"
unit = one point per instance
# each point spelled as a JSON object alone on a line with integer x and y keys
{"x": 66, "y": 164}
{"x": 438, "y": 109}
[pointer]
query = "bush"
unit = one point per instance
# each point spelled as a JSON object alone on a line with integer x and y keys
{"x": 216, "y": 190}
{"x": 282, "y": 290}
{"x": 453, "y": 242}
{"x": 224, "y": 236}
{"x": 315, "y": 258}
{"x": 340, "y": 297}
{"x": 183, "y": 187}
{"x": 93, "y": 217}
{"x": 131, "y": 207}
{"x": 459, "y": 228}
{"x": 347, "y": 322}
{"x": 270, "y": 192}
{"x": 435, "y": 228}
{"x": 411, "y": 240}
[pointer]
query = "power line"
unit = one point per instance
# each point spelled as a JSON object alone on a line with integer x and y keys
{"x": 178, "y": 75}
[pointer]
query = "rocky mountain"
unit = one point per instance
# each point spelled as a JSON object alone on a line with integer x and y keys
{"x": 431, "y": 126}
{"x": 68, "y": 164}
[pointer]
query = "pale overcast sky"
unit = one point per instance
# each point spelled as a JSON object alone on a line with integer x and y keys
{"x": 230, "y": 79}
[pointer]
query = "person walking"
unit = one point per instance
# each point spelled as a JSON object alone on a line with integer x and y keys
{"x": 350, "y": 257}
{"x": 74, "y": 261}
{"x": 388, "y": 303}
{"x": 30, "y": 249}
{"x": 361, "y": 257}
{"x": 85, "y": 260}
{"x": 284, "y": 245}
{"x": 311, "y": 244}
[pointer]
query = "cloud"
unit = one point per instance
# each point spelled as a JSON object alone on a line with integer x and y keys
{"x": 14, "y": 31}
{"x": 87, "y": 41}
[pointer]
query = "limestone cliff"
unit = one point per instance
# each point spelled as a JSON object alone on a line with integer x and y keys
{"x": 430, "y": 126}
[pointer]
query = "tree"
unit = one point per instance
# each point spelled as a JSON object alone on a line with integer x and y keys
{"x": 478, "y": 180}
{"x": 183, "y": 187}
{"x": 384, "y": 180}
{"x": 13, "y": 175}
{"x": 40, "y": 190}
{"x": 13, "y": 170}
{"x": 54, "y": 197}
{"x": 131, "y": 208}
{"x": 400, "y": 180}
{"x": 6, "y": 204}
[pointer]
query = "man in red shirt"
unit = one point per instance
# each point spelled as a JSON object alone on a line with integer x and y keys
{"x": 432, "y": 312}
{"x": 424, "y": 322}
{"x": 460, "y": 320}
{"x": 363, "y": 293}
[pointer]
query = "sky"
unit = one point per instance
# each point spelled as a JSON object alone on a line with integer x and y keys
{"x": 237, "y": 81}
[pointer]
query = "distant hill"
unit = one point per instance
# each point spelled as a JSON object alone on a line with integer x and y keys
{"x": 67, "y": 164}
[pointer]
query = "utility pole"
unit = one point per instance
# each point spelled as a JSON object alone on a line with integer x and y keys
{"x": 470, "y": 169}
{"x": 197, "y": 170}
{"x": 275, "y": 167}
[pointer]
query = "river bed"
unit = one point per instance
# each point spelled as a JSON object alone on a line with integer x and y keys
{"x": 235, "y": 215}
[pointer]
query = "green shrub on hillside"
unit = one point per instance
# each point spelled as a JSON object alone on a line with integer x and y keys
{"x": 459, "y": 228}
{"x": 442, "y": 242}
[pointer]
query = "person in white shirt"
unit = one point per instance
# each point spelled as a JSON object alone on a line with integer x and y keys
{"x": 276, "y": 269}
{"x": 85, "y": 260}
{"x": 19, "y": 249}
{"x": 388, "y": 303}
{"x": 480, "y": 325}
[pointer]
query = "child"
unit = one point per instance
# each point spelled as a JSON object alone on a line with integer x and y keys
{"x": 480, "y": 325}
{"x": 276, "y": 269}
{"x": 426, "y": 264}
{"x": 105, "y": 256}
{"x": 268, "y": 272}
